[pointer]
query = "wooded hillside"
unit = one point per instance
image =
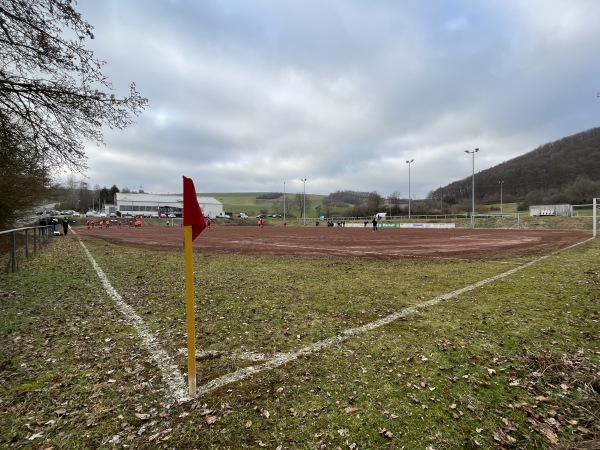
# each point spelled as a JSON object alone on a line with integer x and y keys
{"x": 563, "y": 171}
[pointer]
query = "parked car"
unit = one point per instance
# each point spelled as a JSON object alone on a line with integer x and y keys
{"x": 171, "y": 216}
{"x": 76, "y": 214}
{"x": 243, "y": 215}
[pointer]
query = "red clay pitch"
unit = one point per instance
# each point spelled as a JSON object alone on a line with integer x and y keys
{"x": 347, "y": 241}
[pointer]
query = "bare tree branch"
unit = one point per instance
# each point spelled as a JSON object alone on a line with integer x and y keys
{"x": 52, "y": 87}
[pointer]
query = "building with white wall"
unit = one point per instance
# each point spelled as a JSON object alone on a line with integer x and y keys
{"x": 152, "y": 205}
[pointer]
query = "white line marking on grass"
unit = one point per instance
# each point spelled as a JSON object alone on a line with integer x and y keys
{"x": 169, "y": 370}
{"x": 247, "y": 372}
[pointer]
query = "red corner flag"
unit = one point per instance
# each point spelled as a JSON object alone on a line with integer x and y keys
{"x": 192, "y": 214}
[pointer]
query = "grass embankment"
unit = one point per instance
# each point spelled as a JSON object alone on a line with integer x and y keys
{"x": 513, "y": 363}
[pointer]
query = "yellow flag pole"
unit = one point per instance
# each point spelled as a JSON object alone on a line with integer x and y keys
{"x": 189, "y": 301}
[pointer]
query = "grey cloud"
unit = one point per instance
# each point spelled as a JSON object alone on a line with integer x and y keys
{"x": 246, "y": 95}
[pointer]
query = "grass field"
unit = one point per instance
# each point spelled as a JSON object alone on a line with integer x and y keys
{"x": 510, "y": 363}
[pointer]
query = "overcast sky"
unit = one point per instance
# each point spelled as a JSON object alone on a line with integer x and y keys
{"x": 245, "y": 95}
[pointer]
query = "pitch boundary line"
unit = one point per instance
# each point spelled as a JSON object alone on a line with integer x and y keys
{"x": 281, "y": 359}
{"x": 169, "y": 369}
{"x": 174, "y": 378}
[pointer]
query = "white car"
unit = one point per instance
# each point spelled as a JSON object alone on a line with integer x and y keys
{"x": 76, "y": 214}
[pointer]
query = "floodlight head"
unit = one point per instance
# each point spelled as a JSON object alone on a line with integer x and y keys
{"x": 476, "y": 149}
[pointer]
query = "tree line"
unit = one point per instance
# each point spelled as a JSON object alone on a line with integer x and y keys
{"x": 563, "y": 171}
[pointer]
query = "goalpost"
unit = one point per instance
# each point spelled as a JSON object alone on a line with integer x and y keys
{"x": 595, "y": 219}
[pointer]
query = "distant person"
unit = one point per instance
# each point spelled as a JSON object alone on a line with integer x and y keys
{"x": 375, "y": 223}
{"x": 65, "y": 223}
{"x": 43, "y": 224}
{"x": 208, "y": 223}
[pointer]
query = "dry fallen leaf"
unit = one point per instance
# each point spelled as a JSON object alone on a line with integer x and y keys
{"x": 350, "y": 410}
{"x": 550, "y": 435}
{"x": 211, "y": 420}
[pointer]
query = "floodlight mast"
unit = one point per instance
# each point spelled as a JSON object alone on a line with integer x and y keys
{"x": 473, "y": 188}
{"x": 409, "y": 163}
{"x": 501, "y": 184}
{"x": 304, "y": 199}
